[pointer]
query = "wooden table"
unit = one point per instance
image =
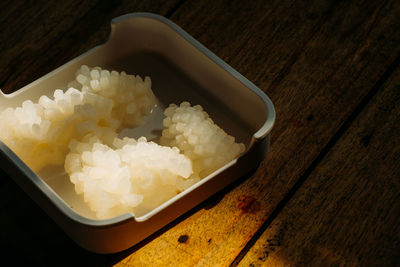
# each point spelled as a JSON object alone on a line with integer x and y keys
{"x": 328, "y": 192}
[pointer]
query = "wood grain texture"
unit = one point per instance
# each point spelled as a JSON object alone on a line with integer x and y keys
{"x": 28, "y": 29}
{"x": 320, "y": 59}
{"x": 42, "y": 35}
{"x": 347, "y": 211}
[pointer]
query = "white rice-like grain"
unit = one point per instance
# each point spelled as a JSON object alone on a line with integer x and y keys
{"x": 129, "y": 176}
{"x": 132, "y": 97}
{"x": 199, "y": 138}
{"x": 39, "y": 133}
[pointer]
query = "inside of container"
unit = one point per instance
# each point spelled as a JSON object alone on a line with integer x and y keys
{"x": 179, "y": 72}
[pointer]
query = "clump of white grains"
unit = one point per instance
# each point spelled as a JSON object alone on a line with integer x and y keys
{"x": 129, "y": 176}
{"x": 39, "y": 133}
{"x": 131, "y": 95}
{"x": 199, "y": 138}
{"x": 79, "y": 128}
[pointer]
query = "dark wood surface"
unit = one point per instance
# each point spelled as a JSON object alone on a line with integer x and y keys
{"x": 347, "y": 210}
{"x": 328, "y": 192}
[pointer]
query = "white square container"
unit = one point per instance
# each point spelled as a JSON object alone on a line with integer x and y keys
{"x": 181, "y": 69}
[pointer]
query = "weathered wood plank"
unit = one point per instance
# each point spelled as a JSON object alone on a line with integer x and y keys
{"x": 347, "y": 212}
{"x": 28, "y": 29}
{"x": 337, "y": 52}
{"x": 42, "y": 36}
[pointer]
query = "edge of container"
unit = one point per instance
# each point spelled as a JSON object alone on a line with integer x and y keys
{"x": 62, "y": 205}
{"x": 269, "y": 122}
{"x": 26, "y": 87}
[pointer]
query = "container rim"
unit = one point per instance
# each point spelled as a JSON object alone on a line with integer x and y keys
{"x": 60, "y": 204}
{"x": 269, "y": 122}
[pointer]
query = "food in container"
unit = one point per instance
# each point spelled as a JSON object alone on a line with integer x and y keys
{"x": 181, "y": 70}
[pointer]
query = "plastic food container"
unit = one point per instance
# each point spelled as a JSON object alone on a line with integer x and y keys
{"x": 181, "y": 69}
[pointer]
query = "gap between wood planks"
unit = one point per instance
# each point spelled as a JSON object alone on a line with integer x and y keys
{"x": 174, "y": 8}
{"x": 389, "y": 71}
